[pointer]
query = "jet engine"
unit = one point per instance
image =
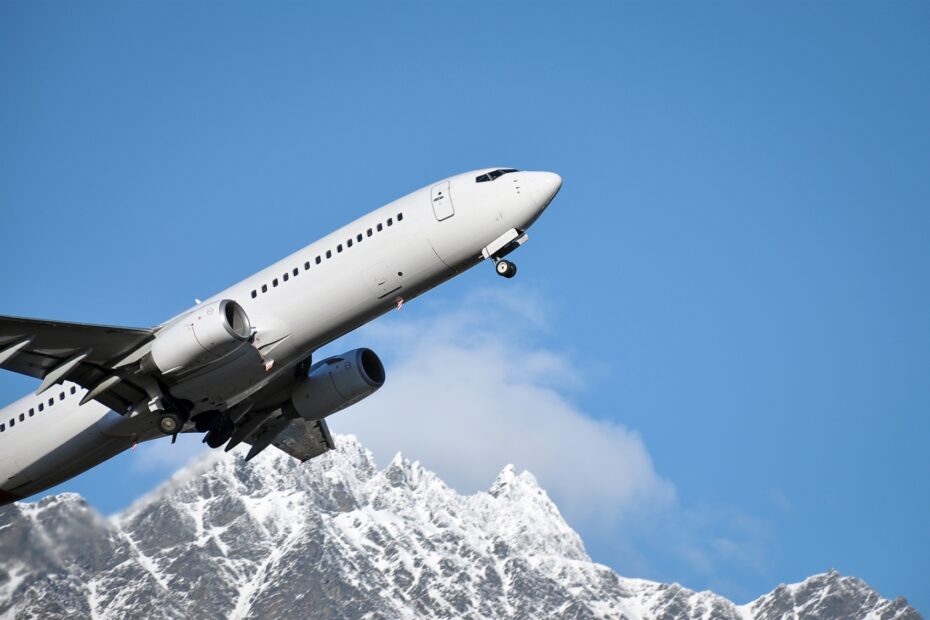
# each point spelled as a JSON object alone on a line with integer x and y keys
{"x": 337, "y": 382}
{"x": 198, "y": 338}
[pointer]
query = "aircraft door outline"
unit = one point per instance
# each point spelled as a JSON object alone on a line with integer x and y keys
{"x": 442, "y": 201}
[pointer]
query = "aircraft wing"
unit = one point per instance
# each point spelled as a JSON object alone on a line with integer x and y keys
{"x": 92, "y": 357}
{"x": 305, "y": 440}
{"x": 85, "y": 354}
{"x": 294, "y": 436}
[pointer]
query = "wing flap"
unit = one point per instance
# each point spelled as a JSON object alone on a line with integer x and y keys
{"x": 304, "y": 440}
{"x": 294, "y": 436}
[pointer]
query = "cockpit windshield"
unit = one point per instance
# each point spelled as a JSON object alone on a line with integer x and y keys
{"x": 484, "y": 178}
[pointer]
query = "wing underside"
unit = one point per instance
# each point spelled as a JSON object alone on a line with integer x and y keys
{"x": 297, "y": 437}
{"x": 305, "y": 440}
{"x": 91, "y": 356}
{"x": 81, "y": 353}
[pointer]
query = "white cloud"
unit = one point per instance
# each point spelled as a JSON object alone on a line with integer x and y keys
{"x": 466, "y": 395}
{"x": 471, "y": 389}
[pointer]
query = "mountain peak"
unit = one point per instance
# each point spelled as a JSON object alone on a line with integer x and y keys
{"x": 353, "y": 450}
{"x": 71, "y": 500}
{"x": 336, "y": 537}
{"x": 830, "y": 595}
{"x": 508, "y": 482}
{"x": 399, "y": 472}
{"x": 505, "y": 478}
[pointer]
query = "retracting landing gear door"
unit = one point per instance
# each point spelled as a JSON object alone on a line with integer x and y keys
{"x": 442, "y": 201}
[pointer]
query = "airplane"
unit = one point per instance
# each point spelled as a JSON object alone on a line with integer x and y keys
{"x": 238, "y": 367}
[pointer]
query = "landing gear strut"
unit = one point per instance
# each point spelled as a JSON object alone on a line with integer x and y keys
{"x": 505, "y": 268}
{"x": 171, "y": 412}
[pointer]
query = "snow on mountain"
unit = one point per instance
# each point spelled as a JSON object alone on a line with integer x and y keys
{"x": 338, "y": 538}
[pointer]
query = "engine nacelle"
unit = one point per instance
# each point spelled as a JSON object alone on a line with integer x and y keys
{"x": 198, "y": 338}
{"x": 337, "y": 382}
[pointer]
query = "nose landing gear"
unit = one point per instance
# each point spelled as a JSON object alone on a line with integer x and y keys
{"x": 501, "y": 247}
{"x": 505, "y": 268}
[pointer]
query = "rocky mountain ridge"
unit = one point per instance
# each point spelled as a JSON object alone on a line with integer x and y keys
{"x": 338, "y": 538}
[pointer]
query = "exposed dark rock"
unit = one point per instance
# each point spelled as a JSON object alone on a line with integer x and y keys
{"x": 336, "y": 538}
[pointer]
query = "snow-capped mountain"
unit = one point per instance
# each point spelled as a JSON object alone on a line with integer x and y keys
{"x": 337, "y": 538}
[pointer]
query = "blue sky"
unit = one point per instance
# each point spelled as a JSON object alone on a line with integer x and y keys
{"x": 733, "y": 280}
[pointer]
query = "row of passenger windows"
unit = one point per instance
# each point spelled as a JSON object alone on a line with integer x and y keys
{"x": 41, "y": 407}
{"x": 329, "y": 254}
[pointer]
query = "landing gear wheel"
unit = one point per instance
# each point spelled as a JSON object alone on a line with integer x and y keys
{"x": 506, "y": 269}
{"x": 170, "y": 423}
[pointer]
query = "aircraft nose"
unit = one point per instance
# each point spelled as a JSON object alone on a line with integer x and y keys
{"x": 544, "y": 186}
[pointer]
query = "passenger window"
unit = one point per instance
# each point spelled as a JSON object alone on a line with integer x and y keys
{"x": 339, "y": 248}
{"x": 359, "y": 237}
{"x": 61, "y": 396}
{"x": 390, "y": 221}
{"x": 349, "y": 243}
{"x": 2, "y": 427}
{"x": 369, "y": 232}
{"x": 400, "y": 217}
{"x": 329, "y": 253}
{"x": 22, "y": 417}
{"x": 254, "y": 294}
{"x": 51, "y": 401}
{"x": 296, "y": 271}
{"x": 306, "y": 266}
{"x": 318, "y": 260}
{"x": 32, "y": 412}
{"x": 73, "y": 390}
{"x": 12, "y": 422}
{"x": 264, "y": 288}
{"x": 41, "y": 407}
{"x": 286, "y": 277}
{"x": 380, "y": 227}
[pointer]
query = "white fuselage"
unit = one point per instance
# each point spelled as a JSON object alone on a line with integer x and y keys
{"x": 296, "y": 305}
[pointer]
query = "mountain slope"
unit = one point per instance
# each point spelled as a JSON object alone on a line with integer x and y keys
{"x": 338, "y": 538}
